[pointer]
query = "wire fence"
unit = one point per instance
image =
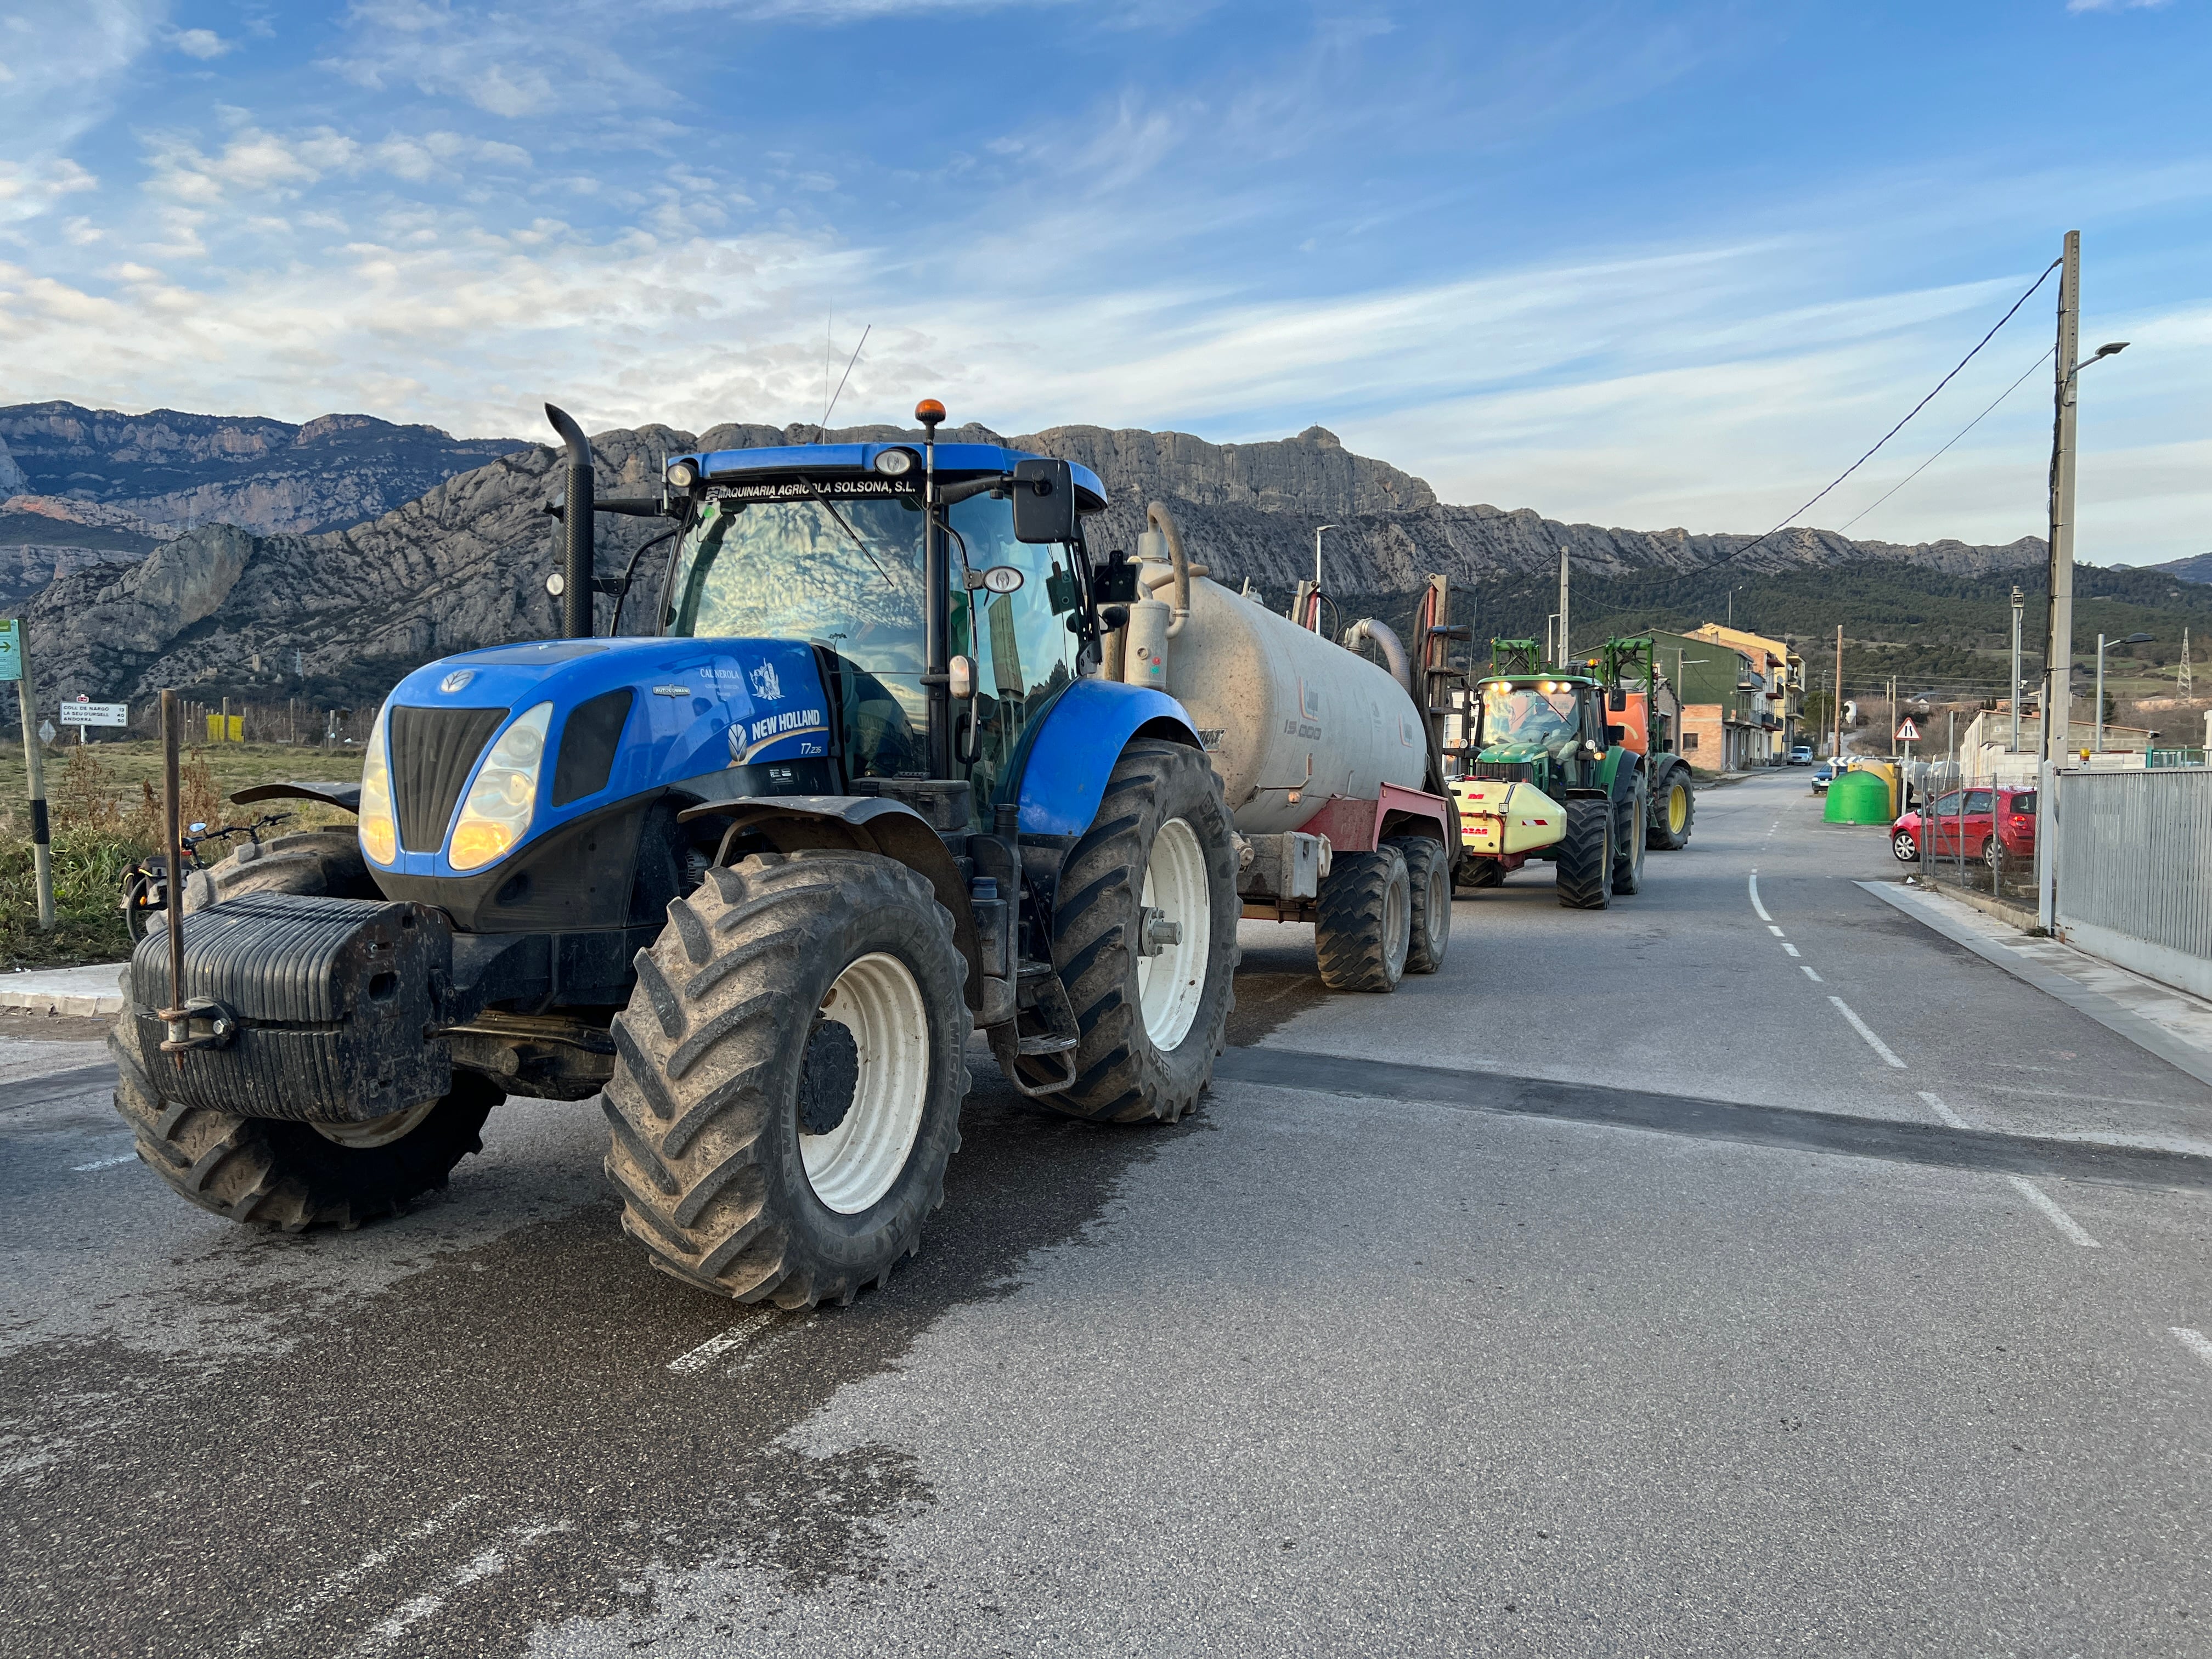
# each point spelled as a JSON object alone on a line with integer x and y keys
{"x": 1970, "y": 834}
{"x": 2133, "y": 883}
{"x": 298, "y": 721}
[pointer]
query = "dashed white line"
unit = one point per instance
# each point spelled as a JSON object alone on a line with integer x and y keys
{"x": 1936, "y": 1106}
{"x": 104, "y": 1163}
{"x": 2057, "y": 1217}
{"x": 1772, "y": 929}
{"x": 2195, "y": 1341}
{"x": 1867, "y": 1031}
{"x": 1810, "y": 974}
{"x": 1755, "y": 904}
{"x": 716, "y": 1346}
{"x": 338, "y": 1583}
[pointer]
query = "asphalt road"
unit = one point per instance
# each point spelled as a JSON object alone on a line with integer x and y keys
{"x": 1742, "y": 1270}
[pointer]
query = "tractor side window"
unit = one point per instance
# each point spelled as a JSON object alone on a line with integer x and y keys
{"x": 1022, "y": 647}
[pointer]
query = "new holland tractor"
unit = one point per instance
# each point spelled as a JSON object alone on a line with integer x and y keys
{"x": 1575, "y": 767}
{"x": 901, "y": 761}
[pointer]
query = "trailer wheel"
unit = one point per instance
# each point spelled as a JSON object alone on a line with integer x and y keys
{"x": 1363, "y": 921}
{"x": 1159, "y": 857}
{"x": 326, "y": 863}
{"x": 1673, "y": 808}
{"x": 1634, "y": 809}
{"x": 1428, "y": 880}
{"x": 1584, "y": 855}
{"x": 294, "y": 1175}
{"x": 788, "y": 1076}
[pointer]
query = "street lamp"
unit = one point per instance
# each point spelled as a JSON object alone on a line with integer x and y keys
{"x": 2132, "y": 639}
{"x": 2019, "y": 601}
{"x": 2110, "y": 349}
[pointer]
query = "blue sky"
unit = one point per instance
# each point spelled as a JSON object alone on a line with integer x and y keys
{"x": 1638, "y": 265}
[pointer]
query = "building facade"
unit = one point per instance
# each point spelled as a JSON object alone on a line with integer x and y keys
{"x": 1781, "y": 674}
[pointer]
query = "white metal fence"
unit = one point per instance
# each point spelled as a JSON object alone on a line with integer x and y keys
{"x": 2134, "y": 877}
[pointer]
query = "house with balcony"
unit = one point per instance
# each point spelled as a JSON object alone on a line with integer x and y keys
{"x": 1780, "y": 697}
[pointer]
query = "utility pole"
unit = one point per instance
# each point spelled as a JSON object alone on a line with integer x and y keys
{"x": 18, "y": 657}
{"x": 2098, "y": 725}
{"x": 2018, "y": 602}
{"x": 1837, "y": 753}
{"x": 1566, "y": 658}
{"x": 2058, "y": 651}
{"x": 2184, "y": 683}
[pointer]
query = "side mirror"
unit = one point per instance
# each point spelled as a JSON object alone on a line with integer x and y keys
{"x": 1114, "y": 582}
{"x": 1615, "y": 733}
{"x": 1616, "y": 700}
{"x": 1044, "y": 500}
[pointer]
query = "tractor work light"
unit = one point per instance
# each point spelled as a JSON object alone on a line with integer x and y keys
{"x": 895, "y": 463}
{"x": 379, "y": 829}
{"x": 682, "y": 475}
{"x": 497, "y": 813}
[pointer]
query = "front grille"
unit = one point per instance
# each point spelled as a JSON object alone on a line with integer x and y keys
{"x": 1504, "y": 771}
{"x": 432, "y": 753}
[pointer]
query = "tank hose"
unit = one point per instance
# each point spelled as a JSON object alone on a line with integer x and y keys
{"x": 1156, "y": 518}
{"x": 1394, "y": 650}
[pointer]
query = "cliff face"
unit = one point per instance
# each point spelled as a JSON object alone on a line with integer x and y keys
{"x": 268, "y": 476}
{"x": 464, "y": 563}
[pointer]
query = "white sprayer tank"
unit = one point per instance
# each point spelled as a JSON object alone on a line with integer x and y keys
{"x": 1284, "y": 712}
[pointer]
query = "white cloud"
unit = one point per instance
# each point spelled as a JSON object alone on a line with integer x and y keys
{"x": 203, "y": 44}
{"x": 2114, "y": 5}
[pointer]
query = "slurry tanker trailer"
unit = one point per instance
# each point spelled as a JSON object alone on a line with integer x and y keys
{"x": 904, "y": 759}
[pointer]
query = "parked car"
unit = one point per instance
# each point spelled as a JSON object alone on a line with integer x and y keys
{"x": 1823, "y": 775}
{"x": 1993, "y": 825}
{"x": 1801, "y": 754}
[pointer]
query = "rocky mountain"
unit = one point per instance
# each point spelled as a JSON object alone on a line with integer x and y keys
{"x": 2197, "y": 568}
{"x": 44, "y": 537}
{"x": 268, "y": 476}
{"x": 463, "y": 565}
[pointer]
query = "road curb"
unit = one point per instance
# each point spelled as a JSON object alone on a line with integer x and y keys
{"x": 2146, "y": 1035}
{"x": 83, "y": 993}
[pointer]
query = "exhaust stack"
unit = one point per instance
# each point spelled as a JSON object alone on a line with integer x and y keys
{"x": 578, "y": 508}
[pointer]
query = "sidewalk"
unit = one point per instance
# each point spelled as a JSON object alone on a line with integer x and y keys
{"x": 2170, "y": 1024}
{"x": 80, "y": 991}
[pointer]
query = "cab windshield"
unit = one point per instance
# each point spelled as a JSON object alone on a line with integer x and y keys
{"x": 845, "y": 572}
{"x": 1522, "y": 713}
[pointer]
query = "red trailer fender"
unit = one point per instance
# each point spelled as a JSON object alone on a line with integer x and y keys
{"x": 1353, "y": 825}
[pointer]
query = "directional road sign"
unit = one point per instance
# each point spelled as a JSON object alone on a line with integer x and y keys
{"x": 84, "y": 712}
{"x": 11, "y": 649}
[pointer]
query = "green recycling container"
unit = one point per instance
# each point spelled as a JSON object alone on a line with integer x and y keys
{"x": 1858, "y": 797}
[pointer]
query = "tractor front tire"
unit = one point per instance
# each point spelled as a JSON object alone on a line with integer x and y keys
{"x": 1584, "y": 855}
{"x": 1363, "y": 921}
{"x": 1633, "y": 809}
{"x": 287, "y": 1176}
{"x": 325, "y": 863}
{"x": 1150, "y": 1025}
{"x": 1673, "y": 808}
{"x": 788, "y": 1077}
{"x": 1428, "y": 878}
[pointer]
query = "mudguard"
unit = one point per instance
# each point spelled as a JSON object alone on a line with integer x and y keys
{"x": 1062, "y": 775}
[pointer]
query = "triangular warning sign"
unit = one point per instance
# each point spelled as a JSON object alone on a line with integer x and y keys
{"x": 1908, "y": 732}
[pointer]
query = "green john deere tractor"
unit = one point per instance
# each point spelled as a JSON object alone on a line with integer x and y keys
{"x": 1569, "y": 767}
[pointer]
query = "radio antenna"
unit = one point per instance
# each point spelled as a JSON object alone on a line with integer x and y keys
{"x": 822, "y": 431}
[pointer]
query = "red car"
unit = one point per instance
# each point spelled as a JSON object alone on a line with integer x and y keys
{"x": 1993, "y": 825}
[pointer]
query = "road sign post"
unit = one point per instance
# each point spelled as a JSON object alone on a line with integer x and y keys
{"x": 15, "y": 664}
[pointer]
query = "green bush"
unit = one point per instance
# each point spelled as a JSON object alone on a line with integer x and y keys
{"x": 89, "y": 870}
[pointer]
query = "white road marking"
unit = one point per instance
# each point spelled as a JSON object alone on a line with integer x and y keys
{"x": 1777, "y": 932}
{"x": 1810, "y": 974}
{"x": 1936, "y": 1106}
{"x": 1755, "y": 904}
{"x": 105, "y": 1163}
{"x": 716, "y": 1346}
{"x": 1867, "y": 1031}
{"x": 2057, "y": 1218}
{"x": 2195, "y": 1341}
{"x": 1789, "y": 947}
{"x": 339, "y": 1583}
{"x": 384, "y": 1636}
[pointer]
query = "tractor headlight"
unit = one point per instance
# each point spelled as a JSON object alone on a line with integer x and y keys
{"x": 497, "y": 814}
{"x": 380, "y": 830}
{"x": 683, "y": 475}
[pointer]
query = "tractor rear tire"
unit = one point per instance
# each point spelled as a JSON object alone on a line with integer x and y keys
{"x": 326, "y": 863}
{"x": 1150, "y": 1026}
{"x": 1363, "y": 921}
{"x": 1633, "y": 809}
{"x": 1428, "y": 878}
{"x": 293, "y": 1177}
{"x": 788, "y": 1077}
{"x": 1584, "y": 856}
{"x": 1673, "y": 808}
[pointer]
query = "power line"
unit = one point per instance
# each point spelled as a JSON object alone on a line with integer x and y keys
{"x": 1899, "y": 427}
{"x": 1962, "y": 432}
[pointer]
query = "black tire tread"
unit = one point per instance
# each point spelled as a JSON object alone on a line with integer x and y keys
{"x": 706, "y": 1058}
{"x": 1658, "y": 836}
{"x": 324, "y": 862}
{"x": 1583, "y": 858}
{"x": 1349, "y": 918}
{"x": 1426, "y": 860}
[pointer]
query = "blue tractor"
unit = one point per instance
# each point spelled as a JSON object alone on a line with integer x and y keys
{"x": 753, "y": 881}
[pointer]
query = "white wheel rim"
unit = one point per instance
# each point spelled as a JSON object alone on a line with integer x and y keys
{"x": 377, "y": 1131}
{"x": 1398, "y": 919}
{"x": 852, "y": 1166}
{"x": 1171, "y": 984}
